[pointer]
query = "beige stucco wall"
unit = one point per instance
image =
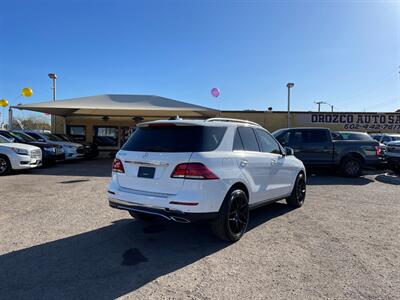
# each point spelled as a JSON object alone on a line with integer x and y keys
{"x": 269, "y": 120}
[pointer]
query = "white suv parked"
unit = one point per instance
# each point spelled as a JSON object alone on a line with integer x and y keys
{"x": 216, "y": 169}
{"x": 16, "y": 156}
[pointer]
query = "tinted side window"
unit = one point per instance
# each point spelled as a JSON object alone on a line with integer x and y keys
{"x": 248, "y": 138}
{"x": 314, "y": 136}
{"x": 283, "y": 137}
{"x": 78, "y": 132}
{"x": 237, "y": 142}
{"x": 267, "y": 142}
{"x": 105, "y": 136}
{"x": 336, "y": 136}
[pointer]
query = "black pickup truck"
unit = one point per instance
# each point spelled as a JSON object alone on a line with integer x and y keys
{"x": 316, "y": 147}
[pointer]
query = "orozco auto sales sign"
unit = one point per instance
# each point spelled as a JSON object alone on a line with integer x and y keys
{"x": 352, "y": 121}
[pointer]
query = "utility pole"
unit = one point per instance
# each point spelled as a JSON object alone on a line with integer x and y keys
{"x": 319, "y": 104}
{"x": 53, "y": 77}
{"x": 289, "y": 86}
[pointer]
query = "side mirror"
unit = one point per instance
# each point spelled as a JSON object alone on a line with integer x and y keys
{"x": 289, "y": 151}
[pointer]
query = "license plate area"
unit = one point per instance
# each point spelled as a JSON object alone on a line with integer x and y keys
{"x": 146, "y": 172}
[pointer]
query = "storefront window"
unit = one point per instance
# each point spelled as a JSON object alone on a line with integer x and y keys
{"x": 106, "y": 136}
{"x": 78, "y": 132}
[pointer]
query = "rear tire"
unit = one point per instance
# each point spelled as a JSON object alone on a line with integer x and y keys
{"x": 233, "y": 217}
{"x": 351, "y": 166}
{"x": 141, "y": 216}
{"x": 296, "y": 199}
{"x": 5, "y": 165}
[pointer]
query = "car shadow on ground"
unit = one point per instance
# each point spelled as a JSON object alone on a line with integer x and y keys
{"x": 326, "y": 176}
{"x": 388, "y": 178}
{"x": 99, "y": 167}
{"x": 112, "y": 261}
{"x": 331, "y": 177}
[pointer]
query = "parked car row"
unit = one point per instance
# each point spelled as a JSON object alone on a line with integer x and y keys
{"x": 53, "y": 148}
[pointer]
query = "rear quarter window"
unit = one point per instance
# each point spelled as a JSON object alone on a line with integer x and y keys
{"x": 248, "y": 138}
{"x": 175, "y": 139}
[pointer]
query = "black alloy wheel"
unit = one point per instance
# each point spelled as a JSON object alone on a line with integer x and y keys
{"x": 5, "y": 166}
{"x": 233, "y": 217}
{"x": 296, "y": 199}
{"x": 238, "y": 217}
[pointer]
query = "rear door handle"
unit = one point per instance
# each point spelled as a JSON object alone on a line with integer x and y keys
{"x": 273, "y": 162}
{"x": 244, "y": 163}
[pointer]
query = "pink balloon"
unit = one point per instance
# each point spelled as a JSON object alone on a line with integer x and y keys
{"x": 215, "y": 92}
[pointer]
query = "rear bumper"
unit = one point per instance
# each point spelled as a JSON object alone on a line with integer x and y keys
{"x": 166, "y": 213}
{"x": 375, "y": 162}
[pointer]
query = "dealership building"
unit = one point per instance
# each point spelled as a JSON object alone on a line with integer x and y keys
{"x": 109, "y": 119}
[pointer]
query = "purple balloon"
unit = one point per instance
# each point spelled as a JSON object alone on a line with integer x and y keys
{"x": 215, "y": 92}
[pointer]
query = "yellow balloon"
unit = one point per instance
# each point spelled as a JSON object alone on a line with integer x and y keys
{"x": 3, "y": 102}
{"x": 27, "y": 92}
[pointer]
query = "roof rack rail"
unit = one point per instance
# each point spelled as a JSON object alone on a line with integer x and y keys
{"x": 233, "y": 121}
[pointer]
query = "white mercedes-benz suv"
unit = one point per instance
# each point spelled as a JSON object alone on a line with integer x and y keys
{"x": 216, "y": 169}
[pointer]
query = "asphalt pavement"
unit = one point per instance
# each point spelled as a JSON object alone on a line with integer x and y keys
{"x": 59, "y": 239}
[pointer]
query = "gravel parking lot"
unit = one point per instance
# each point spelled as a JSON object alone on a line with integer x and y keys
{"x": 59, "y": 239}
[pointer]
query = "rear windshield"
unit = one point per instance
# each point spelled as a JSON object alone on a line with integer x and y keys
{"x": 175, "y": 139}
{"x": 352, "y": 136}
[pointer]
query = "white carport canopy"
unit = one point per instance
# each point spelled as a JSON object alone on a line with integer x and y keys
{"x": 121, "y": 106}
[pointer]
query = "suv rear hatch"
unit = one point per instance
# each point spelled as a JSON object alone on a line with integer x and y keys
{"x": 154, "y": 150}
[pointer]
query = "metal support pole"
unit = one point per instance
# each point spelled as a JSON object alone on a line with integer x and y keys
{"x": 10, "y": 119}
{"x": 289, "y": 86}
{"x": 53, "y": 119}
{"x": 53, "y": 77}
{"x": 288, "y": 108}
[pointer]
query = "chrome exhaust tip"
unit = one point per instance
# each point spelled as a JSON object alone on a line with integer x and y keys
{"x": 179, "y": 219}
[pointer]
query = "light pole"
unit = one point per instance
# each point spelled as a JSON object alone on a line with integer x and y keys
{"x": 289, "y": 86}
{"x": 53, "y": 77}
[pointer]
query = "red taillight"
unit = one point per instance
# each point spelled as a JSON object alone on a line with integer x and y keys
{"x": 378, "y": 151}
{"x": 193, "y": 171}
{"x": 118, "y": 166}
